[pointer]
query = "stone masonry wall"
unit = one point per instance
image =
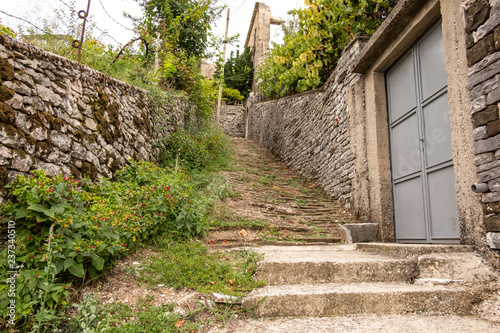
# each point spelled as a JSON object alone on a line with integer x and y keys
{"x": 482, "y": 23}
{"x": 310, "y": 131}
{"x": 66, "y": 118}
{"x": 232, "y": 120}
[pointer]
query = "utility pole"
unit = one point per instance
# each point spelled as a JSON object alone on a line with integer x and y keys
{"x": 217, "y": 116}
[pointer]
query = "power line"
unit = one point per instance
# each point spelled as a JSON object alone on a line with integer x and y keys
{"x": 24, "y": 20}
{"x": 112, "y": 17}
{"x": 64, "y": 3}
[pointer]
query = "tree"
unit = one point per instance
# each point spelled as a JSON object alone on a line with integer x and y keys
{"x": 187, "y": 23}
{"x": 238, "y": 72}
{"x": 313, "y": 44}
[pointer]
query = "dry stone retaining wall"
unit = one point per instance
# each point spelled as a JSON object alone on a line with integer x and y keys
{"x": 232, "y": 120}
{"x": 482, "y": 19}
{"x": 310, "y": 131}
{"x": 66, "y": 118}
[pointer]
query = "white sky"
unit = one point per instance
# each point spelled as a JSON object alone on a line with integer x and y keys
{"x": 240, "y": 15}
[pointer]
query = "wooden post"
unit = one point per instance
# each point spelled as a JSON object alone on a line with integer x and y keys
{"x": 219, "y": 101}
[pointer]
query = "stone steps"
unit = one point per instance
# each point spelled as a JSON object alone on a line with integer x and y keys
{"x": 328, "y": 264}
{"x": 356, "y": 279}
{"x": 340, "y": 299}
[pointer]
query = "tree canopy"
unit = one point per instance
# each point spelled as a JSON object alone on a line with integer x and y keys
{"x": 238, "y": 72}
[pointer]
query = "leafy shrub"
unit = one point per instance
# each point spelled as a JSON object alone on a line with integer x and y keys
{"x": 193, "y": 151}
{"x": 68, "y": 230}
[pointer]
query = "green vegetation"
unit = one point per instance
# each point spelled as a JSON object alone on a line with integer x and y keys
{"x": 70, "y": 232}
{"x": 238, "y": 72}
{"x": 314, "y": 41}
{"x": 191, "y": 265}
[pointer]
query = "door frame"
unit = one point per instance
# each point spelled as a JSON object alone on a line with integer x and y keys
{"x": 423, "y": 173}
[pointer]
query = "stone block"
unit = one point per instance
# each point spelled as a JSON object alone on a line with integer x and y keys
{"x": 488, "y": 166}
{"x": 478, "y": 104}
{"x": 483, "y": 117}
{"x": 493, "y": 128}
{"x": 78, "y": 151}
{"x": 360, "y": 232}
{"x": 481, "y": 49}
{"x": 492, "y": 208}
{"x": 493, "y": 96}
{"x": 484, "y": 70}
{"x": 480, "y": 133}
{"x": 490, "y": 144}
{"x": 11, "y": 137}
{"x": 494, "y": 185}
{"x": 48, "y": 95}
{"x": 492, "y": 22}
{"x": 21, "y": 161}
{"x": 18, "y": 87}
{"x": 62, "y": 141}
{"x": 493, "y": 240}
{"x": 488, "y": 175}
{"x": 491, "y": 197}
{"x": 476, "y": 14}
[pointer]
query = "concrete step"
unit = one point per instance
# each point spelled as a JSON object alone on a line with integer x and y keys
{"x": 329, "y": 264}
{"x": 411, "y": 250}
{"x": 408, "y": 323}
{"x": 340, "y": 299}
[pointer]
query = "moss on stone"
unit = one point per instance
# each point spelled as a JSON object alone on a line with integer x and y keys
{"x": 42, "y": 150}
{"x": 3, "y": 176}
{"x": 89, "y": 170}
{"x": 74, "y": 170}
{"x": 7, "y": 114}
{"x": 6, "y": 93}
{"x": 142, "y": 123}
{"x": 6, "y": 70}
{"x": 101, "y": 108}
{"x": 47, "y": 118}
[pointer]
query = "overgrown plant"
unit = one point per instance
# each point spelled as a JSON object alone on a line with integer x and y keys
{"x": 70, "y": 231}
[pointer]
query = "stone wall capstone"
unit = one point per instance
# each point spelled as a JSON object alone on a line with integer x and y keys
{"x": 66, "y": 118}
{"x": 310, "y": 131}
{"x": 482, "y": 24}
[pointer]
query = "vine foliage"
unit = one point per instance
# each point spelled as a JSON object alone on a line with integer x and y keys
{"x": 314, "y": 41}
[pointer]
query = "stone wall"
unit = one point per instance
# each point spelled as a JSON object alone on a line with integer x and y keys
{"x": 482, "y": 24}
{"x": 310, "y": 131}
{"x": 66, "y": 118}
{"x": 232, "y": 120}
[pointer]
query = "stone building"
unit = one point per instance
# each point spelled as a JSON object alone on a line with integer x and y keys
{"x": 406, "y": 130}
{"x": 259, "y": 36}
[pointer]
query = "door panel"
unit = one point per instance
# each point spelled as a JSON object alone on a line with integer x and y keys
{"x": 402, "y": 88}
{"x": 433, "y": 70}
{"x": 425, "y": 209}
{"x": 409, "y": 209}
{"x": 443, "y": 204}
{"x": 437, "y": 131}
{"x": 406, "y": 147}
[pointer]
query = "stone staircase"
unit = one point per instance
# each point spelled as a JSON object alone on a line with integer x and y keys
{"x": 369, "y": 278}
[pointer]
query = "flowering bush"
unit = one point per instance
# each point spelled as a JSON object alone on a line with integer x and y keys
{"x": 69, "y": 230}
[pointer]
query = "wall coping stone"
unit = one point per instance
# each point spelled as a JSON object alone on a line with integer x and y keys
{"x": 394, "y": 24}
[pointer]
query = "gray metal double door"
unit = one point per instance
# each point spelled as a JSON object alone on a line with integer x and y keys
{"x": 423, "y": 177}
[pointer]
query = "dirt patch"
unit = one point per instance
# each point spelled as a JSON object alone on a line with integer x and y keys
{"x": 121, "y": 285}
{"x": 285, "y": 206}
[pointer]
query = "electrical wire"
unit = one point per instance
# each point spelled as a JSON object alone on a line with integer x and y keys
{"x": 64, "y": 3}
{"x": 105, "y": 11}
